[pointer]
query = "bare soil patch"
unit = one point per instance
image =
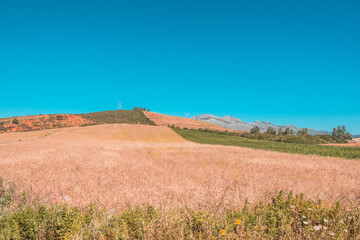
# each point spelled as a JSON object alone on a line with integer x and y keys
{"x": 41, "y": 122}
{"x": 116, "y": 164}
{"x": 349, "y": 144}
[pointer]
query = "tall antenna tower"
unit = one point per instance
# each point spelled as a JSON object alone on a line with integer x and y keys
{"x": 187, "y": 120}
{"x": 119, "y": 105}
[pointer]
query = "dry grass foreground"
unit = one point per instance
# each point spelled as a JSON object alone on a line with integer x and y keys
{"x": 166, "y": 120}
{"x": 118, "y": 164}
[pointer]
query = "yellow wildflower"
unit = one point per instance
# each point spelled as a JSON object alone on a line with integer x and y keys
{"x": 256, "y": 227}
{"x": 352, "y": 201}
{"x": 222, "y": 231}
{"x": 326, "y": 202}
{"x": 238, "y": 222}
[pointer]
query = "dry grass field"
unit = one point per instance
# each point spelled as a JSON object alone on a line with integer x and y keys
{"x": 350, "y": 144}
{"x": 166, "y": 120}
{"x": 114, "y": 165}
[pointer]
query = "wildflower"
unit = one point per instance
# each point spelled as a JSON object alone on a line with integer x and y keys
{"x": 317, "y": 206}
{"x": 326, "y": 202}
{"x": 238, "y": 222}
{"x": 303, "y": 216}
{"x": 309, "y": 209}
{"x": 67, "y": 198}
{"x": 292, "y": 207}
{"x": 305, "y": 222}
{"x": 332, "y": 233}
{"x": 341, "y": 222}
{"x": 256, "y": 227}
{"x": 317, "y": 227}
{"x": 222, "y": 231}
{"x": 352, "y": 202}
{"x": 325, "y": 220}
{"x": 346, "y": 230}
{"x": 324, "y": 228}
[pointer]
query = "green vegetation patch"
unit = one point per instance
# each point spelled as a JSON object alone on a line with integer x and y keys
{"x": 283, "y": 217}
{"x": 118, "y": 116}
{"x": 206, "y": 137}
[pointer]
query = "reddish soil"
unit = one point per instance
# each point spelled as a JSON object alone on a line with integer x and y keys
{"x": 41, "y": 122}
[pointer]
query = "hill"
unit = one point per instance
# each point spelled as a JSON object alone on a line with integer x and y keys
{"x": 41, "y": 122}
{"x": 167, "y": 120}
{"x": 237, "y": 124}
{"x": 118, "y": 116}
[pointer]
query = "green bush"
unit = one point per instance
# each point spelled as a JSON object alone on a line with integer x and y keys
{"x": 15, "y": 121}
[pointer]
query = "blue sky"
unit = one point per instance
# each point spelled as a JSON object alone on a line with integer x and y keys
{"x": 292, "y": 62}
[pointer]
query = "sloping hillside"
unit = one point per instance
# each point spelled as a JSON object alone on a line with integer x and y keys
{"x": 118, "y": 116}
{"x": 167, "y": 120}
{"x": 41, "y": 122}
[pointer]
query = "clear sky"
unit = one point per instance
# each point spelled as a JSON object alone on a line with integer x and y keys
{"x": 284, "y": 61}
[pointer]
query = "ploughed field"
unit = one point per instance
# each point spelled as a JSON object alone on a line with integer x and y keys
{"x": 113, "y": 165}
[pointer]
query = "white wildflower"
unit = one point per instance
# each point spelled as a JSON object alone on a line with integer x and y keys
{"x": 325, "y": 220}
{"x": 305, "y": 222}
{"x": 332, "y": 233}
{"x": 317, "y": 227}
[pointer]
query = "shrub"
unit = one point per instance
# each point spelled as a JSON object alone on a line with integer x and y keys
{"x": 285, "y": 216}
{"x": 255, "y": 130}
{"x": 15, "y": 121}
{"x": 271, "y": 131}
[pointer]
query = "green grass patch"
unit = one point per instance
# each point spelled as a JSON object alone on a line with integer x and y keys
{"x": 204, "y": 137}
{"x": 283, "y": 217}
{"x": 118, "y": 116}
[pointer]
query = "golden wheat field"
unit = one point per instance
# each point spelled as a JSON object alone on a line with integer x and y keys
{"x": 113, "y": 165}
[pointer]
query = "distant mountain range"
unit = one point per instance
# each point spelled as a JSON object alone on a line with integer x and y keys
{"x": 237, "y": 124}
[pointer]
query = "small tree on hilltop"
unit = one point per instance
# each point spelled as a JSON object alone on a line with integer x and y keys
{"x": 15, "y": 121}
{"x": 255, "y": 130}
{"x": 280, "y": 132}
